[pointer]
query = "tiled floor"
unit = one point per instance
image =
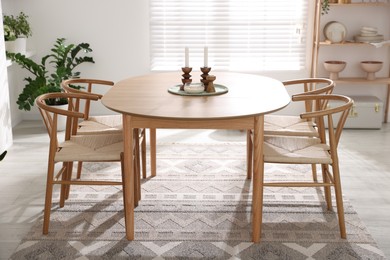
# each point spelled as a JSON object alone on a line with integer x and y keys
{"x": 365, "y": 168}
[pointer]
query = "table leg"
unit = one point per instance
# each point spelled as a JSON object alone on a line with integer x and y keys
{"x": 128, "y": 177}
{"x": 153, "y": 152}
{"x": 258, "y": 178}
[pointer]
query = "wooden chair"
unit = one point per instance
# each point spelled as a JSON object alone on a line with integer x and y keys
{"x": 87, "y": 148}
{"x": 309, "y": 150}
{"x": 294, "y": 125}
{"x": 101, "y": 124}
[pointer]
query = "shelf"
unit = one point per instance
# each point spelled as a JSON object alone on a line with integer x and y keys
{"x": 362, "y": 81}
{"x": 348, "y": 43}
{"x": 361, "y": 4}
{"x": 28, "y": 55}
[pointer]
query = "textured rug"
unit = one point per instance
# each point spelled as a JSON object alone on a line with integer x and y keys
{"x": 198, "y": 207}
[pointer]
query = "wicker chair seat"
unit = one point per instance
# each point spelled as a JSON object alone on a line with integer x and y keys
{"x": 91, "y": 148}
{"x": 289, "y": 125}
{"x": 289, "y": 149}
{"x": 101, "y": 124}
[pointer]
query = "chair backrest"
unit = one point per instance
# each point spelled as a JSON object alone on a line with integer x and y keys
{"x": 84, "y": 86}
{"x": 312, "y": 86}
{"x": 321, "y": 114}
{"x": 50, "y": 113}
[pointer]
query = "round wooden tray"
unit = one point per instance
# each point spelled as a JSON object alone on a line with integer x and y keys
{"x": 219, "y": 89}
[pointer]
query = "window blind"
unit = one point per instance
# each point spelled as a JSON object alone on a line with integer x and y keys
{"x": 241, "y": 35}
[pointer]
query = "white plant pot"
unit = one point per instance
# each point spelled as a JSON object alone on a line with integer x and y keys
{"x": 21, "y": 44}
{"x": 10, "y": 46}
{"x": 61, "y": 123}
{"x": 16, "y": 46}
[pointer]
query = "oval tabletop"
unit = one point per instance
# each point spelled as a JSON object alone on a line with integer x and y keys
{"x": 148, "y": 96}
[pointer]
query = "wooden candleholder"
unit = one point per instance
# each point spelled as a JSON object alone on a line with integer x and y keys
{"x": 205, "y": 71}
{"x": 186, "y": 76}
{"x": 210, "y": 85}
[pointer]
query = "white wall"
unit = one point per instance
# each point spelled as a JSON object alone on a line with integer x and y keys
{"x": 118, "y": 32}
{"x": 5, "y": 115}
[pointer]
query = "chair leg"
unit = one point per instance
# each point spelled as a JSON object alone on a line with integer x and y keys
{"x": 314, "y": 172}
{"x": 123, "y": 184}
{"x": 79, "y": 167}
{"x": 339, "y": 199}
{"x": 48, "y": 197}
{"x": 153, "y": 151}
{"x": 137, "y": 185}
{"x": 143, "y": 154}
{"x": 136, "y": 168}
{"x": 64, "y": 188}
{"x": 249, "y": 155}
{"x": 69, "y": 177}
{"x": 327, "y": 190}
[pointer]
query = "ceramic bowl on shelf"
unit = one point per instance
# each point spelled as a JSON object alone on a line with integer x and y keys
{"x": 194, "y": 88}
{"x": 371, "y": 67}
{"x": 334, "y": 67}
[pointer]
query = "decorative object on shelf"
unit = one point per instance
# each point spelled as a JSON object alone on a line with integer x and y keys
{"x": 186, "y": 76}
{"x": 64, "y": 59}
{"x": 210, "y": 85}
{"x": 334, "y": 67}
{"x": 335, "y": 32}
{"x": 205, "y": 73}
{"x": 369, "y": 34}
{"x": 16, "y": 31}
{"x": 193, "y": 88}
{"x": 219, "y": 89}
{"x": 371, "y": 67}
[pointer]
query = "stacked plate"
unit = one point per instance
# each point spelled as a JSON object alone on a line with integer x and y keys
{"x": 369, "y": 34}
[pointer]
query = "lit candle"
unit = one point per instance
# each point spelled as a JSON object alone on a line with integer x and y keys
{"x": 205, "y": 56}
{"x": 187, "y": 57}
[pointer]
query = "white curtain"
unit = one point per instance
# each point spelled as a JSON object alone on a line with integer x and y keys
{"x": 241, "y": 35}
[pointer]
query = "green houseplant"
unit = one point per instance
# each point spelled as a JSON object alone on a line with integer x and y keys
{"x": 18, "y": 24}
{"x": 16, "y": 30}
{"x": 63, "y": 59}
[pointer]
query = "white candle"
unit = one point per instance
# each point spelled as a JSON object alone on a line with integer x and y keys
{"x": 205, "y": 56}
{"x": 187, "y": 57}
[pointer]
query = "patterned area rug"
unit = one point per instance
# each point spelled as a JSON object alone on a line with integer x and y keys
{"x": 198, "y": 207}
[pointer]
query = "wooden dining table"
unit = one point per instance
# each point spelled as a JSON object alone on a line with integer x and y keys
{"x": 151, "y": 101}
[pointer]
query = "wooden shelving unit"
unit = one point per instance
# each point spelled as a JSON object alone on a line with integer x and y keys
{"x": 318, "y": 44}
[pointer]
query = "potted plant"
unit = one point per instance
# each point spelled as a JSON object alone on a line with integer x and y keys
{"x": 63, "y": 59}
{"x": 16, "y": 31}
